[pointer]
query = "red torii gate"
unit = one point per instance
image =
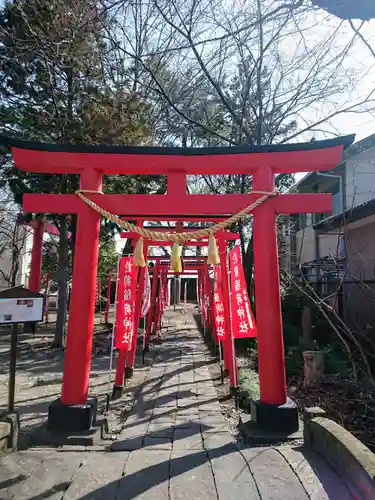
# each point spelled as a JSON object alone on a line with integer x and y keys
{"x": 128, "y": 357}
{"x": 223, "y": 237}
{"x": 75, "y": 410}
{"x": 39, "y": 227}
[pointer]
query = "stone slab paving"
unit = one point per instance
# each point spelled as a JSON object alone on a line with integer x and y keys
{"x": 175, "y": 444}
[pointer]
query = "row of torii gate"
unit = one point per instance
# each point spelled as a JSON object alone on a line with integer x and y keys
{"x": 75, "y": 409}
{"x": 160, "y": 272}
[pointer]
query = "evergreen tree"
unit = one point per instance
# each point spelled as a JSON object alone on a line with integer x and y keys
{"x": 58, "y": 84}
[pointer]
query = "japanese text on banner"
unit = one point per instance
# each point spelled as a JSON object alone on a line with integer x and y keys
{"x": 126, "y": 292}
{"x": 243, "y": 324}
{"x": 219, "y": 319}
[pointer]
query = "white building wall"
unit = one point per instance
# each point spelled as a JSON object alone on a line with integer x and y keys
{"x": 305, "y": 245}
{"x": 358, "y": 187}
{"x": 360, "y": 178}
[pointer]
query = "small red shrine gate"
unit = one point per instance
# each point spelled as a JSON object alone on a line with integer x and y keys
{"x": 128, "y": 357}
{"x": 75, "y": 410}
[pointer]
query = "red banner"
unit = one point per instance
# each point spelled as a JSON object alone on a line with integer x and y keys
{"x": 126, "y": 292}
{"x": 219, "y": 319}
{"x": 243, "y": 324}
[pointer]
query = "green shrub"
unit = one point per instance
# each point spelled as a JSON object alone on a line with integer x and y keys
{"x": 249, "y": 383}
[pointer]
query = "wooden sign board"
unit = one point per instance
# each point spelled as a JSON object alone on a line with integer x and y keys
{"x": 28, "y": 310}
{"x": 20, "y": 305}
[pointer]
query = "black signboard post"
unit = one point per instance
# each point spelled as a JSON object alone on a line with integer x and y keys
{"x": 18, "y": 305}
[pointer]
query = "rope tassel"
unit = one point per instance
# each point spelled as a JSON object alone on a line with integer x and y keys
{"x": 212, "y": 253}
{"x": 139, "y": 258}
{"x": 176, "y": 264}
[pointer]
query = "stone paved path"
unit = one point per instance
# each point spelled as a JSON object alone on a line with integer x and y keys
{"x": 175, "y": 445}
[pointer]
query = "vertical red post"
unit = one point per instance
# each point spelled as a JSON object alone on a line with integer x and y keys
{"x": 120, "y": 369}
{"x": 121, "y": 360}
{"x": 77, "y": 361}
{"x": 152, "y": 311}
{"x": 157, "y": 318}
{"x": 36, "y": 258}
{"x": 213, "y": 327}
{"x": 165, "y": 296}
{"x": 108, "y": 302}
{"x": 208, "y": 293}
{"x": 203, "y": 306}
{"x": 229, "y": 355}
{"x": 161, "y": 301}
{"x": 268, "y": 304}
{"x": 137, "y": 313}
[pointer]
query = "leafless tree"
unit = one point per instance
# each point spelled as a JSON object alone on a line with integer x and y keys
{"x": 13, "y": 237}
{"x": 239, "y": 72}
{"x": 248, "y": 72}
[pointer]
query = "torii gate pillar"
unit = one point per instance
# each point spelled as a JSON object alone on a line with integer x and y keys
{"x": 271, "y": 363}
{"x": 75, "y": 405}
{"x": 36, "y": 258}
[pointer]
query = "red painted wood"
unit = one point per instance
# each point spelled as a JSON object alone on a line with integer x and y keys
{"x": 176, "y": 205}
{"x": 201, "y": 243}
{"x": 268, "y": 305}
{"x": 137, "y": 315}
{"x": 36, "y": 257}
{"x": 229, "y": 357}
{"x": 77, "y": 359}
{"x": 113, "y": 164}
{"x": 120, "y": 368}
{"x": 47, "y": 228}
{"x": 160, "y": 206}
{"x": 151, "y": 312}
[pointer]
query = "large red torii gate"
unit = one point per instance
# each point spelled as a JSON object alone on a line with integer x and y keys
{"x": 75, "y": 410}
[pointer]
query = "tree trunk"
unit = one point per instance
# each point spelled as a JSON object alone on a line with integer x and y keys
{"x": 62, "y": 280}
{"x": 249, "y": 264}
{"x": 306, "y": 324}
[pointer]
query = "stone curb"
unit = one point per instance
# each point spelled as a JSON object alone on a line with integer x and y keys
{"x": 9, "y": 431}
{"x": 347, "y": 455}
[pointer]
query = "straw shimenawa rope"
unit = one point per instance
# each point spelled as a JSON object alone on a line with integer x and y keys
{"x": 175, "y": 237}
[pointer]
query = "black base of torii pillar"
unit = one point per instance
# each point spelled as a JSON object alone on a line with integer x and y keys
{"x": 280, "y": 419}
{"x": 72, "y": 418}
